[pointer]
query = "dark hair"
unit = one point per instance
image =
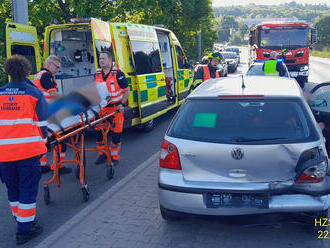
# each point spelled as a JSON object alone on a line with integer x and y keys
{"x": 18, "y": 67}
{"x": 110, "y": 56}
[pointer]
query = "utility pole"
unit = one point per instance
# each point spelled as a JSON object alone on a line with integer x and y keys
{"x": 20, "y": 11}
{"x": 200, "y": 46}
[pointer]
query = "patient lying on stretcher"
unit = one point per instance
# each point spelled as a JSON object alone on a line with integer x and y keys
{"x": 88, "y": 99}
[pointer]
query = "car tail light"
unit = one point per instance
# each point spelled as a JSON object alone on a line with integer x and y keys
{"x": 314, "y": 174}
{"x": 169, "y": 156}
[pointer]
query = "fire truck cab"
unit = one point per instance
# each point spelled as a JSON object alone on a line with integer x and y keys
{"x": 291, "y": 40}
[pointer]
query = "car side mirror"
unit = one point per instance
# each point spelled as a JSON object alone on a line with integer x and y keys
{"x": 319, "y": 103}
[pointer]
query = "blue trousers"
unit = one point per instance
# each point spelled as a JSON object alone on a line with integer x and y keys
{"x": 22, "y": 180}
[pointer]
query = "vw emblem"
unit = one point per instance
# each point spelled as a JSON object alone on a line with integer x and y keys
{"x": 237, "y": 153}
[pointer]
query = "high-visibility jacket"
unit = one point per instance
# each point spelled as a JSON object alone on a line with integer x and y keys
{"x": 116, "y": 93}
{"x": 23, "y": 113}
{"x": 207, "y": 74}
{"x": 37, "y": 82}
{"x": 270, "y": 68}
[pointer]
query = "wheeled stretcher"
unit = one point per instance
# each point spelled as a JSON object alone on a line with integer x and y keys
{"x": 71, "y": 131}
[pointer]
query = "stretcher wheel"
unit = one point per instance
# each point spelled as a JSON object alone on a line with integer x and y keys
{"x": 77, "y": 172}
{"x": 46, "y": 195}
{"x": 85, "y": 193}
{"x": 110, "y": 171}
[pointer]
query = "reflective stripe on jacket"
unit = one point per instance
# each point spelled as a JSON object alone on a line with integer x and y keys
{"x": 37, "y": 82}
{"x": 270, "y": 68}
{"x": 207, "y": 74}
{"x": 115, "y": 91}
{"x": 20, "y": 128}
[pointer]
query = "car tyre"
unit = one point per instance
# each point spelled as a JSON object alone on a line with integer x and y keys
{"x": 148, "y": 126}
{"x": 169, "y": 215}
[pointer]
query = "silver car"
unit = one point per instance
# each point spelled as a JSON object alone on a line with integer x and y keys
{"x": 255, "y": 69}
{"x": 242, "y": 146}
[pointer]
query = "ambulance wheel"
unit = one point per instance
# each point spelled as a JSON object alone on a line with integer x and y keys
{"x": 148, "y": 126}
{"x": 110, "y": 172}
{"x": 46, "y": 195}
{"x": 85, "y": 193}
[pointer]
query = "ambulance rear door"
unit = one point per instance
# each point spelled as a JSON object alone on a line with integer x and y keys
{"x": 101, "y": 38}
{"x": 149, "y": 73}
{"x": 23, "y": 40}
{"x": 184, "y": 73}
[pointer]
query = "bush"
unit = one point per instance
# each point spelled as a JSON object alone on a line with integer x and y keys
{"x": 322, "y": 52}
{"x": 3, "y": 75}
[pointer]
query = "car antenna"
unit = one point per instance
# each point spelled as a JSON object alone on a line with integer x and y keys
{"x": 243, "y": 85}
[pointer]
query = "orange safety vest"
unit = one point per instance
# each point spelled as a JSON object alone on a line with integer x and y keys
{"x": 20, "y": 135}
{"x": 115, "y": 91}
{"x": 207, "y": 73}
{"x": 37, "y": 82}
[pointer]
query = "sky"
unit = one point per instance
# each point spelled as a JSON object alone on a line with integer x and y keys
{"x": 218, "y": 3}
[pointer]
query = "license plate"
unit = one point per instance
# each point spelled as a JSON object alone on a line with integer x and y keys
{"x": 236, "y": 200}
{"x": 293, "y": 74}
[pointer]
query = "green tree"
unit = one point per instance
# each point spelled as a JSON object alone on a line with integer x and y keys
{"x": 225, "y": 25}
{"x": 323, "y": 30}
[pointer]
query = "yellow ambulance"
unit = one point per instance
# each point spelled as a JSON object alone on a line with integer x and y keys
{"x": 152, "y": 58}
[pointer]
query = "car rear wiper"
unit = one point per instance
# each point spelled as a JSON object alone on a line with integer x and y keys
{"x": 242, "y": 139}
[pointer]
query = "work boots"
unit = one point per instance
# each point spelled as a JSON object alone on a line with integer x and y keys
{"x": 101, "y": 159}
{"x": 35, "y": 231}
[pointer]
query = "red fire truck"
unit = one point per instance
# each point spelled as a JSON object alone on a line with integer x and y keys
{"x": 291, "y": 40}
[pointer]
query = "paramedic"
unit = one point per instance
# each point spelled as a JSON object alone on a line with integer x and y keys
{"x": 23, "y": 115}
{"x": 118, "y": 91}
{"x": 45, "y": 81}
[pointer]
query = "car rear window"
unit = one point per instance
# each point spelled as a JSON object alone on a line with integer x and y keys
{"x": 239, "y": 121}
{"x": 256, "y": 70}
{"x": 229, "y": 55}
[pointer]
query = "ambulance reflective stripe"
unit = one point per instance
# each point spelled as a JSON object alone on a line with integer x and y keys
{"x": 26, "y": 212}
{"x": 101, "y": 30}
{"x": 114, "y": 150}
{"x": 207, "y": 74}
{"x": 14, "y": 207}
{"x": 23, "y": 121}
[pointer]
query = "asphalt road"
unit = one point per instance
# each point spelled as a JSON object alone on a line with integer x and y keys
{"x": 137, "y": 147}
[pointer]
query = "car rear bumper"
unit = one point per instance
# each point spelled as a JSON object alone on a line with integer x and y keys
{"x": 177, "y": 194}
{"x": 195, "y": 203}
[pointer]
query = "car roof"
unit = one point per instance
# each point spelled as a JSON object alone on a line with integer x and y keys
{"x": 227, "y": 52}
{"x": 275, "y": 87}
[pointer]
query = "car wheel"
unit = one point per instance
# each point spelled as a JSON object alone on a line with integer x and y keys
{"x": 169, "y": 215}
{"x": 148, "y": 126}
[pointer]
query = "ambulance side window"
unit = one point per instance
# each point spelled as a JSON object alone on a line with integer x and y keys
{"x": 28, "y": 52}
{"x": 180, "y": 57}
{"x": 146, "y": 57}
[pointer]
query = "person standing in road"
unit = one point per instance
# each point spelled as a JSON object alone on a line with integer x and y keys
{"x": 23, "y": 115}
{"x": 118, "y": 91}
{"x": 45, "y": 81}
{"x": 273, "y": 67}
{"x": 208, "y": 71}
